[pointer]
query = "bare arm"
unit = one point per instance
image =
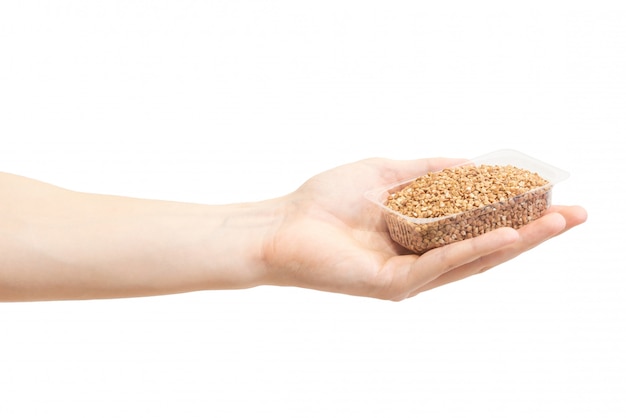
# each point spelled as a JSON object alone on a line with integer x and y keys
{"x": 61, "y": 244}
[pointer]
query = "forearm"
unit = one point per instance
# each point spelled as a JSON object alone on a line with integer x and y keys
{"x": 59, "y": 244}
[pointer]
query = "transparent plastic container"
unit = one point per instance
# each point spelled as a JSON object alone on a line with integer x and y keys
{"x": 423, "y": 234}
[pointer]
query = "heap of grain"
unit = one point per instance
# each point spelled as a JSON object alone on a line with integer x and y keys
{"x": 464, "y": 202}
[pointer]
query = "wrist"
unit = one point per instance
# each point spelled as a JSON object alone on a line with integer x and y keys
{"x": 240, "y": 242}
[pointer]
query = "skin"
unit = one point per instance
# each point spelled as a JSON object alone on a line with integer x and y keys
{"x": 58, "y": 244}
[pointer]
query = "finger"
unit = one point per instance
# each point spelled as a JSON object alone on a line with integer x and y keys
{"x": 398, "y": 170}
{"x": 574, "y": 215}
{"x": 439, "y": 262}
{"x": 531, "y": 235}
{"x": 436, "y": 164}
{"x": 556, "y": 221}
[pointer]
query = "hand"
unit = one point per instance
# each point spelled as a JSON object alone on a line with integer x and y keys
{"x": 60, "y": 244}
{"x": 333, "y": 239}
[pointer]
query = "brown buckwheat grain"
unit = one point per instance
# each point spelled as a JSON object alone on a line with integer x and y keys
{"x": 464, "y": 202}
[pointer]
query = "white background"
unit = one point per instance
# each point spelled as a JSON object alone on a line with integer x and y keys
{"x": 241, "y": 100}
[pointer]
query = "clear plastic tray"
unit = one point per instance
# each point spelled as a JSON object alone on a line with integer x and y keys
{"x": 422, "y": 234}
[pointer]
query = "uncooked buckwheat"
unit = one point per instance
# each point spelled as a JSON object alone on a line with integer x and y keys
{"x": 469, "y": 200}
